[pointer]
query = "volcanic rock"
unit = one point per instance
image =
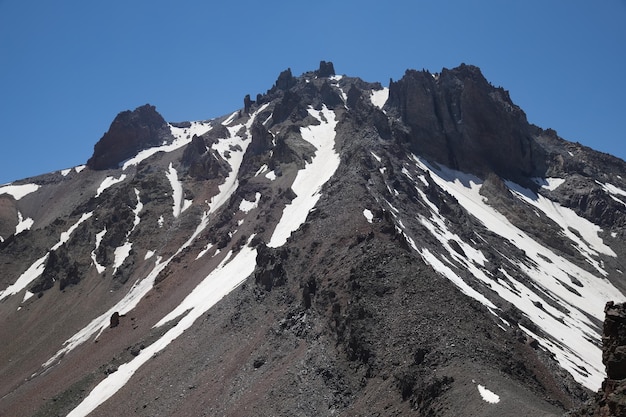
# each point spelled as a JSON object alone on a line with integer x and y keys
{"x": 460, "y": 120}
{"x": 130, "y": 132}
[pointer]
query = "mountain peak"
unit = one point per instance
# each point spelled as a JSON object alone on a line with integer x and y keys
{"x": 130, "y": 132}
{"x": 333, "y": 247}
{"x": 460, "y": 120}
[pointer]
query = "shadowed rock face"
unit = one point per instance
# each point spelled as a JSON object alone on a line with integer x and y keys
{"x": 458, "y": 119}
{"x": 610, "y": 401}
{"x": 130, "y": 132}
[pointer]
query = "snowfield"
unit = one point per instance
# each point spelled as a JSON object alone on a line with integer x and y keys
{"x": 309, "y": 181}
{"x": 573, "y": 337}
{"x": 19, "y": 191}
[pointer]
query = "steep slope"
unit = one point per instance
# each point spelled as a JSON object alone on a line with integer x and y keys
{"x": 334, "y": 247}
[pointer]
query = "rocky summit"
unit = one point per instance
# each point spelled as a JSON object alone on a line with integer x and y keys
{"x": 334, "y": 247}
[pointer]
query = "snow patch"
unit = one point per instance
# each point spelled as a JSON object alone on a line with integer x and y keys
{"x": 149, "y": 254}
{"x": 65, "y": 172}
{"x": 368, "y": 215}
{"x": 309, "y": 180}
{"x": 65, "y": 236}
{"x": 246, "y": 205}
{"x": 379, "y": 97}
{"x": 137, "y": 210}
{"x": 28, "y": 276}
{"x": 19, "y": 191}
{"x": 182, "y": 136}
{"x": 444, "y": 270}
{"x": 549, "y": 183}
{"x": 487, "y": 395}
{"x": 616, "y": 193}
{"x": 23, "y": 223}
{"x": 79, "y": 168}
{"x": 271, "y": 175}
{"x": 121, "y": 253}
{"x": 108, "y": 182}
{"x": 27, "y": 296}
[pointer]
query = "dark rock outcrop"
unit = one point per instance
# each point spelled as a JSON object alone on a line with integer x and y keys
{"x": 247, "y": 103}
{"x": 203, "y": 163}
{"x": 115, "y": 320}
{"x": 285, "y": 80}
{"x": 326, "y": 69}
{"x": 610, "y": 401}
{"x": 130, "y": 132}
{"x": 458, "y": 119}
{"x": 270, "y": 271}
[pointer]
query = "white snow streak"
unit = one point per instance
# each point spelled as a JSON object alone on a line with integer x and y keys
{"x": 221, "y": 281}
{"x": 109, "y": 181}
{"x": 312, "y": 177}
{"x": 616, "y": 193}
{"x": 36, "y": 269}
{"x": 99, "y": 236}
{"x": 19, "y": 191}
{"x": 28, "y": 276}
{"x": 65, "y": 236}
{"x": 179, "y": 205}
{"x": 444, "y": 270}
{"x": 572, "y": 334}
{"x": 590, "y": 245}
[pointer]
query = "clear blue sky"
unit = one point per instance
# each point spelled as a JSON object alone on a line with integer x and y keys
{"x": 68, "y": 67}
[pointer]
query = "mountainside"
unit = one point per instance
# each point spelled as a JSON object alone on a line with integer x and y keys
{"x": 334, "y": 247}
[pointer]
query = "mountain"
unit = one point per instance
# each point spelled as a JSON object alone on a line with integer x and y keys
{"x": 334, "y": 247}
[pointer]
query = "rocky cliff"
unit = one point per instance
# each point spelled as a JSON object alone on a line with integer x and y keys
{"x": 610, "y": 401}
{"x": 130, "y": 132}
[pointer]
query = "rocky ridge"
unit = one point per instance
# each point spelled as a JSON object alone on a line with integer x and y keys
{"x": 395, "y": 295}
